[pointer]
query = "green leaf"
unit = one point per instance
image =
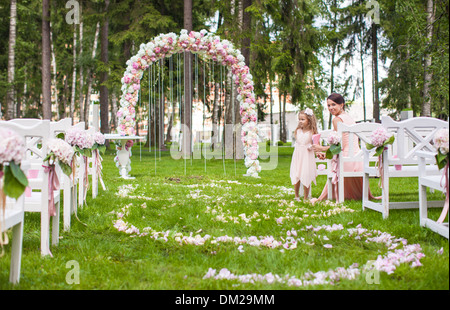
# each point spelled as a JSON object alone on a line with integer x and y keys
{"x": 379, "y": 150}
{"x": 86, "y": 152}
{"x": 441, "y": 160}
{"x": 335, "y": 149}
{"x": 60, "y": 135}
{"x": 390, "y": 140}
{"x": 440, "y": 157}
{"x": 369, "y": 146}
{"x": 18, "y": 174}
{"x": 102, "y": 149}
{"x": 65, "y": 168}
{"x": 13, "y": 187}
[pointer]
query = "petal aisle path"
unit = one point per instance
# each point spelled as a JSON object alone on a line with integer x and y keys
{"x": 218, "y": 199}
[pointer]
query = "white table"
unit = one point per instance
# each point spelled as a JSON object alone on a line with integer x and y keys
{"x": 123, "y": 154}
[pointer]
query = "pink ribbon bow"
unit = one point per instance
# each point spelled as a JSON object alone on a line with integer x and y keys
{"x": 335, "y": 174}
{"x": 86, "y": 177}
{"x": 53, "y": 185}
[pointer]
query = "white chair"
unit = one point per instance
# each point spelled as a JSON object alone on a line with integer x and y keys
{"x": 400, "y": 159}
{"x": 36, "y": 137}
{"x": 13, "y": 217}
{"x": 360, "y": 135}
{"x": 434, "y": 182}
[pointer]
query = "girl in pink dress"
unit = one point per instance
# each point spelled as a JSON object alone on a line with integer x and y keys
{"x": 303, "y": 164}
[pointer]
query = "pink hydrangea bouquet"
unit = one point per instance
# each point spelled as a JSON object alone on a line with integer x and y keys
{"x": 380, "y": 138}
{"x": 99, "y": 142}
{"x": 440, "y": 142}
{"x": 12, "y": 152}
{"x": 334, "y": 140}
{"x": 61, "y": 151}
{"x": 81, "y": 140}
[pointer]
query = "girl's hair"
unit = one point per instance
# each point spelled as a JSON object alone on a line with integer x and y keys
{"x": 312, "y": 122}
{"x": 337, "y": 98}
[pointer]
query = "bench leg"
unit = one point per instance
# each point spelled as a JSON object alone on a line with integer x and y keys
{"x": 67, "y": 206}
{"x": 385, "y": 198}
{"x": 365, "y": 193}
{"x": 55, "y": 225}
{"x": 16, "y": 253}
{"x": 423, "y": 212}
{"x": 45, "y": 231}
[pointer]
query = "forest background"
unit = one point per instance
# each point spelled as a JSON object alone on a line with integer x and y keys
{"x": 50, "y": 56}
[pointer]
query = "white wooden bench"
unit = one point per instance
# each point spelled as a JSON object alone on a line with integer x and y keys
{"x": 67, "y": 184}
{"x": 36, "y": 137}
{"x": 355, "y": 156}
{"x": 13, "y": 217}
{"x": 435, "y": 182}
{"x": 400, "y": 159}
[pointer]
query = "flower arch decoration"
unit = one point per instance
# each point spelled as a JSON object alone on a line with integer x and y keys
{"x": 207, "y": 46}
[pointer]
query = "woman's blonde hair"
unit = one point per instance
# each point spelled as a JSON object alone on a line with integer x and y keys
{"x": 312, "y": 122}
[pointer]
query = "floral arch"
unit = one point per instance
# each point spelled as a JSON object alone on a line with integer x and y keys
{"x": 209, "y": 47}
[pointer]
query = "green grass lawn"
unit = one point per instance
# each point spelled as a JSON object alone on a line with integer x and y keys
{"x": 180, "y": 220}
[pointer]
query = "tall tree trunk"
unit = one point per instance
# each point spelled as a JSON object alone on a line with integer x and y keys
{"x": 87, "y": 100}
{"x": 246, "y": 28}
{"x": 376, "y": 99}
{"x": 82, "y": 114}
{"x": 333, "y": 54}
{"x": 363, "y": 79}
{"x": 239, "y": 149}
{"x": 284, "y": 137}
{"x": 54, "y": 81}
{"x": 229, "y": 117}
{"x": 187, "y": 109}
{"x": 426, "y": 106}
{"x": 65, "y": 96}
{"x": 46, "y": 56}
{"x": 334, "y": 44}
{"x": 10, "y": 102}
{"x": 104, "y": 103}
{"x": 114, "y": 110}
{"x": 74, "y": 74}
{"x": 280, "y": 115}
{"x": 215, "y": 117}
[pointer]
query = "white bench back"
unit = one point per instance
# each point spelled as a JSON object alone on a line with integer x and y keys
{"x": 411, "y": 135}
{"x": 60, "y": 126}
{"x": 360, "y": 131}
{"x": 36, "y": 137}
{"x": 36, "y": 134}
